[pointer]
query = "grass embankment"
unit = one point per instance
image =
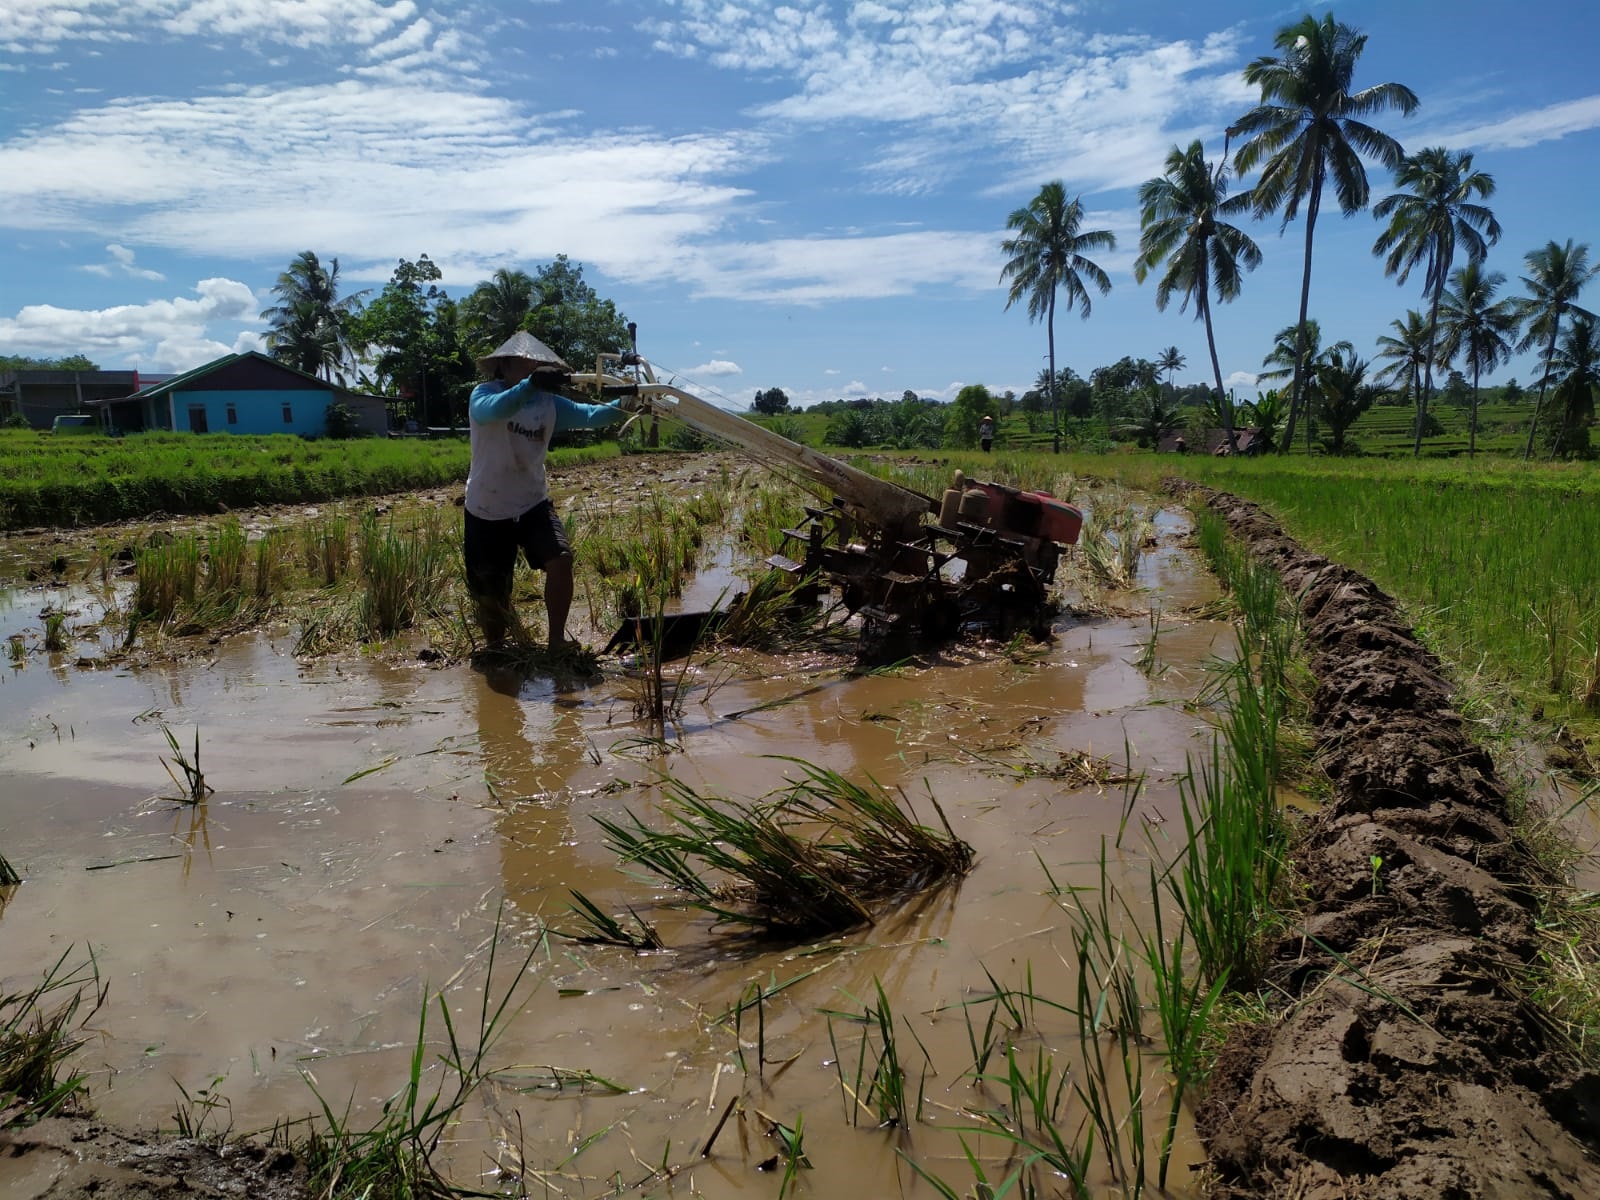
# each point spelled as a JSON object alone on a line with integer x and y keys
{"x": 90, "y": 480}
{"x": 1496, "y": 561}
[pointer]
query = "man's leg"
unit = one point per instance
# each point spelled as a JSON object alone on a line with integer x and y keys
{"x": 558, "y": 598}
{"x": 544, "y": 540}
{"x": 490, "y": 549}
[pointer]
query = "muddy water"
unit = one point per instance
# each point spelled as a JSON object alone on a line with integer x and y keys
{"x": 370, "y": 818}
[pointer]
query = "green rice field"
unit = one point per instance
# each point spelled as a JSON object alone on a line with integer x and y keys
{"x": 79, "y": 481}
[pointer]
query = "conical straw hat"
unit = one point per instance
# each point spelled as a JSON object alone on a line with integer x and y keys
{"x": 524, "y": 345}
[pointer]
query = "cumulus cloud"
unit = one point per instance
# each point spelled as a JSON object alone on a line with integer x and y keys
{"x": 1240, "y": 379}
{"x": 177, "y": 328}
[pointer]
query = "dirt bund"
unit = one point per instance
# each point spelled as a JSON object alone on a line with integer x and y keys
{"x": 1410, "y": 1063}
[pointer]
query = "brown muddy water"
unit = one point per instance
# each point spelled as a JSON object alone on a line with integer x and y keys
{"x": 371, "y": 816}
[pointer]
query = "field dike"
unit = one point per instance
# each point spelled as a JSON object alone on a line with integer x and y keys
{"x": 1409, "y": 1063}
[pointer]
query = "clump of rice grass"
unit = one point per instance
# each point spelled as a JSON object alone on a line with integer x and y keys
{"x": 1113, "y": 539}
{"x": 271, "y": 559}
{"x": 818, "y": 857}
{"x": 184, "y": 770}
{"x": 166, "y": 576}
{"x": 401, "y": 572}
{"x": 55, "y": 632}
{"x": 226, "y": 557}
{"x": 40, "y": 1029}
{"x": 771, "y": 614}
{"x": 325, "y": 550}
{"x": 17, "y": 649}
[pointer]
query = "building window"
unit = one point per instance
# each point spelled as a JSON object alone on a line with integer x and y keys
{"x": 233, "y": 414}
{"x": 288, "y": 415}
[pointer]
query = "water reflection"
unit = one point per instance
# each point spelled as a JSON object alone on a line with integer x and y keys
{"x": 532, "y": 741}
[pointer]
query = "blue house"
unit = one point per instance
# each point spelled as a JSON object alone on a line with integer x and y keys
{"x": 242, "y": 393}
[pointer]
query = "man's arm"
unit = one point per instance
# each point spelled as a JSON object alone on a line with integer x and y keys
{"x": 492, "y": 402}
{"x": 571, "y": 414}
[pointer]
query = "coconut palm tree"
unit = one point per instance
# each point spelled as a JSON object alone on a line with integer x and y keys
{"x": 1556, "y": 276}
{"x": 310, "y": 326}
{"x": 1282, "y": 359}
{"x": 497, "y": 307}
{"x": 1047, "y": 256}
{"x": 1577, "y": 367}
{"x": 1181, "y": 221}
{"x": 1408, "y": 353}
{"x": 1309, "y": 129}
{"x": 1476, "y": 328}
{"x": 1339, "y": 386}
{"x": 1426, "y": 224}
{"x": 1169, "y": 362}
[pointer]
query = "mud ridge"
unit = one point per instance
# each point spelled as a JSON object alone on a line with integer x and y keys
{"x": 1410, "y": 1063}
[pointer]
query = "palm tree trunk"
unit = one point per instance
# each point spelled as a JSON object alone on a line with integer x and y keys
{"x": 1055, "y": 406}
{"x": 1472, "y": 439}
{"x": 1427, "y": 385}
{"x": 1300, "y": 330}
{"x": 1216, "y": 367}
{"x": 1544, "y": 381}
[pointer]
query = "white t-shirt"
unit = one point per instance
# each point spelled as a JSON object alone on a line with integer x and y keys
{"x": 506, "y": 478}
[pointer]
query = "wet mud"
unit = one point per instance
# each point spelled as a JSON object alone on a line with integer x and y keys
{"x": 373, "y": 811}
{"x": 1411, "y": 1063}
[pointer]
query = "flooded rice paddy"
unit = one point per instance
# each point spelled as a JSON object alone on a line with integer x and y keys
{"x": 374, "y": 817}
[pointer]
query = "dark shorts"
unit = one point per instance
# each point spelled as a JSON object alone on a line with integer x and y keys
{"x": 490, "y": 547}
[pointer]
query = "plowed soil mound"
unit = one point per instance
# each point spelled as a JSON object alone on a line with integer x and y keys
{"x": 1410, "y": 1064}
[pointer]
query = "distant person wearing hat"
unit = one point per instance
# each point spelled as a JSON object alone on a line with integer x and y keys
{"x": 986, "y": 432}
{"x": 514, "y": 413}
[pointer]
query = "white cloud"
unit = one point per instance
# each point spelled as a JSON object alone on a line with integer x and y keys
{"x": 716, "y": 368}
{"x": 373, "y": 172}
{"x": 121, "y": 264}
{"x": 125, "y": 332}
{"x": 1240, "y": 379}
{"x": 41, "y": 24}
{"x": 1520, "y": 130}
{"x": 1019, "y": 80}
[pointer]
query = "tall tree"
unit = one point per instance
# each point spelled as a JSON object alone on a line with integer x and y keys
{"x": 1577, "y": 367}
{"x": 1427, "y": 222}
{"x": 311, "y": 326}
{"x": 1046, "y": 257}
{"x": 1556, "y": 276}
{"x": 497, "y": 307}
{"x": 1293, "y": 347}
{"x": 1169, "y": 362}
{"x": 572, "y": 318}
{"x": 1477, "y": 329}
{"x": 1407, "y": 352}
{"x": 1181, "y": 222}
{"x": 1308, "y": 128}
{"x": 413, "y": 330}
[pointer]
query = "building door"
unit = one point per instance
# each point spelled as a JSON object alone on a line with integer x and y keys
{"x": 197, "y": 418}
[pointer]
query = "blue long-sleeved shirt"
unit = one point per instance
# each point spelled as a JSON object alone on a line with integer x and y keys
{"x": 510, "y": 430}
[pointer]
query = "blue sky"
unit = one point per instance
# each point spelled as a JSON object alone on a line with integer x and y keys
{"x": 809, "y": 196}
